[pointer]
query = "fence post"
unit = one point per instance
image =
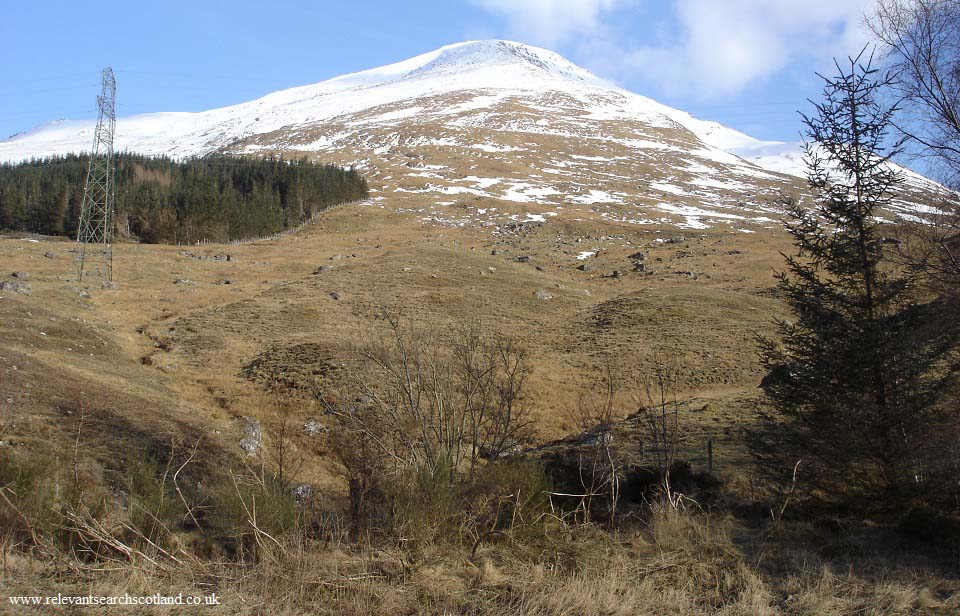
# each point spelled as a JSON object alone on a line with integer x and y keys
{"x": 710, "y": 455}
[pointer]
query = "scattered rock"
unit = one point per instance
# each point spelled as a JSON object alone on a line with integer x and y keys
{"x": 335, "y": 296}
{"x": 590, "y": 439}
{"x": 252, "y": 436}
{"x": 321, "y": 269}
{"x": 540, "y": 268}
{"x": 109, "y": 285}
{"x": 616, "y": 274}
{"x": 496, "y": 252}
{"x": 406, "y": 269}
{"x": 544, "y": 295}
{"x": 639, "y": 267}
{"x": 184, "y": 282}
{"x": 302, "y": 492}
{"x": 638, "y": 256}
{"x": 168, "y": 368}
{"x": 84, "y": 294}
{"x": 15, "y": 287}
{"x": 337, "y": 257}
{"x": 313, "y": 428}
{"x": 508, "y": 448}
{"x": 492, "y": 269}
{"x": 676, "y": 240}
{"x": 584, "y": 267}
{"x": 50, "y": 255}
{"x": 20, "y": 275}
{"x": 223, "y": 281}
{"x": 523, "y": 259}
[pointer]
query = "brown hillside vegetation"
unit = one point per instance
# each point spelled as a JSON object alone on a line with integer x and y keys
{"x": 122, "y": 414}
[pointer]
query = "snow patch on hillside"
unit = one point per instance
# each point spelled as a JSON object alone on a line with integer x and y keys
{"x": 500, "y": 69}
{"x": 527, "y": 93}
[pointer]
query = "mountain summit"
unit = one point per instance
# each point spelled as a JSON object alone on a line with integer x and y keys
{"x": 485, "y": 121}
{"x": 489, "y": 63}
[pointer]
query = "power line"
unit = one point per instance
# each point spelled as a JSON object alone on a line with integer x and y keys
{"x": 55, "y": 78}
{"x": 199, "y": 76}
{"x": 95, "y": 232}
{"x": 37, "y": 114}
{"x": 81, "y": 86}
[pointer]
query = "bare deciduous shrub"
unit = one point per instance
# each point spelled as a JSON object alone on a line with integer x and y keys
{"x": 920, "y": 45}
{"x": 659, "y": 419}
{"x": 600, "y": 467}
{"x": 363, "y": 465}
{"x": 411, "y": 404}
{"x": 602, "y": 462}
{"x": 492, "y": 373}
{"x": 427, "y": 407}
{"x": 430, "y": 399}
{"x": 281, "y": 450}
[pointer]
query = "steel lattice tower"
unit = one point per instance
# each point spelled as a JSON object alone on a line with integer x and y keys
{"x": 95, "y": 233}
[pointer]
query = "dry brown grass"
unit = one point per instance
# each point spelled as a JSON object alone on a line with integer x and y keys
{"x": 166, "y": 355}
{"x": 160, "y": 364}
{"x": 679, "y": 564}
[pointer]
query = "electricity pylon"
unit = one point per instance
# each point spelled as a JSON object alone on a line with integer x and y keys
{"x": 95, "y": 233}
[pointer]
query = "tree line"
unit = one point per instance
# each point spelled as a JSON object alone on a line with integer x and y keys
{"x": 160, "y": 200}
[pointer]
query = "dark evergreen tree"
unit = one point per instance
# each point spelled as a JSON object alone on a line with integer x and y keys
{"x": 215, "y": 198}
{"x": 6, "y": 205}
{"x": 858, "y": 378}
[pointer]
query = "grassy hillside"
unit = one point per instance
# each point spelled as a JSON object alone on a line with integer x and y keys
{"x": 123, "y": 414}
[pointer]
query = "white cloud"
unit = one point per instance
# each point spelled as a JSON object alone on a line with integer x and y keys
{"x": 721, "y": 47}
{"x": 710, "y": 48}
{"x": 551, "y": 22}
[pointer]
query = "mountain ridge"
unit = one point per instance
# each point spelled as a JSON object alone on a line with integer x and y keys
{"x": 450, "y": 59}
{"x": 488, "y": 120}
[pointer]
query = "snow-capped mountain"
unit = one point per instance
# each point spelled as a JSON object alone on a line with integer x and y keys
{"x": 484, "y": 121}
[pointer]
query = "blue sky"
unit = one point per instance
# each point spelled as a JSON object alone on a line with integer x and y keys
{"x": 746, "y": 63}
